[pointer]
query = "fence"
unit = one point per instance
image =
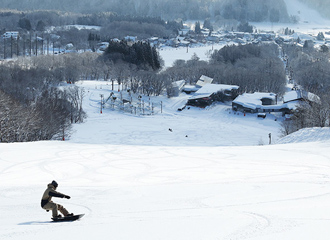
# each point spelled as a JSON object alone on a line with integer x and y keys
{"x": 129, "y": 103}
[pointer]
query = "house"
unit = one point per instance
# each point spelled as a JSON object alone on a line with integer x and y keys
{"x": 153, "y": 41}
{"x": 10, "y": 35}
{"x": 102, "y": 46}
{"x": 256, "y": 102}
{"x": 210, "y": 93}
{"x": 213, "y": 38}
{"x": 130, "y": 38}
{"x": 267, "y": 102}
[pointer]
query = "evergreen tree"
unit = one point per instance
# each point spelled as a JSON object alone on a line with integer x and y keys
{"x": 320, "y": 36}
{"x": 198, "y": 29}
{"x": 245, "y": 27}
{"x": 324, "y": 48}
{"x": 25, "y": 24}
{"x": 40, "y": 26}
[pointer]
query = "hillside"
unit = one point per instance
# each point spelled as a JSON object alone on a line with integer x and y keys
{"x": 135, "y": 179}
{"x": 252, "y": 10}
{"x": 322, "y": 6}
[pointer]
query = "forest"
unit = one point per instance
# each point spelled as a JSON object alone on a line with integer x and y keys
{"x": 241, "y": 10}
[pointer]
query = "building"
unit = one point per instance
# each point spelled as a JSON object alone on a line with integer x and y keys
{"x": 10, "y": 35}
{"x": 267, "y": 102}
{"x": 256, "y": 102}
{"x": 210, "y": 93}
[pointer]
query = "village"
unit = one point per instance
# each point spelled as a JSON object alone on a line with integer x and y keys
{"x": 48, "y": 42}
{"x": 204, "y": 92}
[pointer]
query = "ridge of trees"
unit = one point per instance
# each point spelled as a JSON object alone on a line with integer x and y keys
{"x": 241, "y": 10}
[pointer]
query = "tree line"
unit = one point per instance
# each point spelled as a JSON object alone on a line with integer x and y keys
{"x": 252, "y": 67}
{"x": 33, "y": 106}
{"x": 241, "y": 10}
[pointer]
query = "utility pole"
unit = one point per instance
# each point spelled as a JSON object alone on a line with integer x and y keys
{"x": 101, "y": 95}
{"x": 30, "y": 44}
{"x": 4, "y": 48}
{"x": 17, "y": 52}
{"x": 11, "y": 46}
{"x": 36, "y": 45}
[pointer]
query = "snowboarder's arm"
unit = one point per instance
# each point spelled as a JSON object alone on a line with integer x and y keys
{"x": 58, "y": 194}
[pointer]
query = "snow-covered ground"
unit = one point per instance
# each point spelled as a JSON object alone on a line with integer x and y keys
{"x": 169, "y": 54}
{"x": 213, "y": 177}
{"x": 210, "y": 178}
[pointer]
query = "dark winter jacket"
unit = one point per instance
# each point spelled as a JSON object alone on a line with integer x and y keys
{"x": 49, "y": 193}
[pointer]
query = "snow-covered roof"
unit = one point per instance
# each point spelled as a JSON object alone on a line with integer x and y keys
{"x": 253, "y": 100}
{"x": 203, "y": 80}
{"x": 179, "y": 84}
{"x": 302, "y": 36}
{"x": 209, "y": 89}
{"x": 300, "y": 94}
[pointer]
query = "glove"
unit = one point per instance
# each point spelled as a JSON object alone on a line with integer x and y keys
{"x": 67, "y": 197}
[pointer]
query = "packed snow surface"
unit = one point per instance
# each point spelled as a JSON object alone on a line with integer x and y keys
{"x": 208, "y": 178}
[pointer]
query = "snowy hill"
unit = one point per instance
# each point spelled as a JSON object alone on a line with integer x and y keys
{"x": 307, "y": 135}
{"x": 310, "y": 21}
{"x": 135, "y": 179}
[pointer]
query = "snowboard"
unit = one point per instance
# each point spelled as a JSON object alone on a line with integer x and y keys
{"x": 68, "y": 219}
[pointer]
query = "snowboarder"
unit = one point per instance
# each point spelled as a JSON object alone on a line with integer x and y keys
{"x": 48, "y": 204}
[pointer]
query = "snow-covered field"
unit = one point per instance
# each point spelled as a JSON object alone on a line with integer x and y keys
{"x": 213, "y": 177}
{"x": 169, "y": 54}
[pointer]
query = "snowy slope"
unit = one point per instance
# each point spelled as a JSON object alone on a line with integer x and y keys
{"x": 214, "y": 126}
{"x": 310, "y": 21}
{"x": 307, "y": 135}
{"x": 134, "y": 179}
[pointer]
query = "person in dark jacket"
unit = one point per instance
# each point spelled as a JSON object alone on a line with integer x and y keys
{"x": 48, "y": 204}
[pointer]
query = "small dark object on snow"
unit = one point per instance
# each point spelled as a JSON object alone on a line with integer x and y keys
{"x": 170, "y": 129}
{"x": 262, "y": 115}
{"x": 186, "y": 135}
{"x": 70, "y": 218}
